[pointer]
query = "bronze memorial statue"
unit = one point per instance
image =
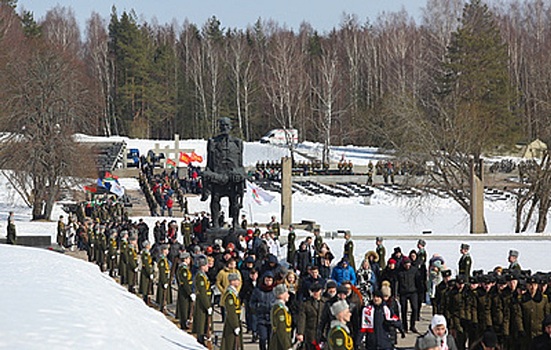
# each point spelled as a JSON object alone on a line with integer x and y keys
{"x": 224, "y": 175}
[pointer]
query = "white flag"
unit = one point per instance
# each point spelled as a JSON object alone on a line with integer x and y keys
{"x": 258, "y": 195}
{"x": 116, "y": 188}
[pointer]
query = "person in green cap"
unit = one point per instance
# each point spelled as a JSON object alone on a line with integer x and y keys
{"x": 132, "y": 263}
{"x": 185, "y": 291}
{"x": 203, "y": 307}
{"x": 232, "y": 337}
{"x": 339, "y": 334}
{"x": 163, "y": 286}
{"x": 146, "y": 277}
{"x": 281, "y": 320}
{"x": 381, "y": 251}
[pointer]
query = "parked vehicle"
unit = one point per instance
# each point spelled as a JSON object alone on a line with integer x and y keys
{"x": 280, "y": 137}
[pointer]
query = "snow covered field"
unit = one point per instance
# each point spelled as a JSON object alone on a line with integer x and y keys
{"x": 53, "y": 301}
{"x": 50, "y": 300}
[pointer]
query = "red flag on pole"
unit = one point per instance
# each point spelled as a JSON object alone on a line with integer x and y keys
{"x": 196, "y": 158}
{"x": 185, "y": 158}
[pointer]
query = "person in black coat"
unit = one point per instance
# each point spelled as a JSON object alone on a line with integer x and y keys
{"x": 408, "y": 286}
{"x": 377, "y": 321}
{"x": 250, "y": 281}
{"x": 260, "y": 305}
{"x": 306, "y": 281}
{"x": 302, "y": 259}
{"x": 326, "y": 315}
{"x": 390, "y": 274}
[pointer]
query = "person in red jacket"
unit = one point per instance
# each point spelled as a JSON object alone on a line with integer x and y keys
{"x": 169, "y": 205}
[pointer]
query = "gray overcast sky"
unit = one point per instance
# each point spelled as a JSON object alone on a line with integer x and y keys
{"x": 323, "y": 15}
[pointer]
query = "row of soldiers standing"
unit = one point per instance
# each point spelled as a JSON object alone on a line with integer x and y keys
{"x": 511, "y": 302}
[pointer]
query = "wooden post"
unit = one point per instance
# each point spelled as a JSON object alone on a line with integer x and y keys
{"x": 477, "y": 198}
{"x": 286, "y": 191}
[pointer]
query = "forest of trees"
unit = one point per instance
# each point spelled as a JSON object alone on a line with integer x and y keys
{"x": 344, "y": 86}
{"x": 466, "y": 79}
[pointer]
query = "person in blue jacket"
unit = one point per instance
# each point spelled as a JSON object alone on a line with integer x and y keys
{"x": 343, "y": 272}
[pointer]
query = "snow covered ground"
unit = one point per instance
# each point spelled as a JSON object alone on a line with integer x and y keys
{"x": 53, "y": 301}
{"x": 50, "y": 300}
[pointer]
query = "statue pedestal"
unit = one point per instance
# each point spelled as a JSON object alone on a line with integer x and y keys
{"x": 221, "y": 233}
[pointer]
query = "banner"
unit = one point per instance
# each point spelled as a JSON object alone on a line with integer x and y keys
{"x": 258, "y": 195}
{"x": 195, "y": 157}
{"x": 90, "y": 189}
{"x": 116, "y": 189}
{"x": 185, "y": 158}
{"x": 170, "y": 163}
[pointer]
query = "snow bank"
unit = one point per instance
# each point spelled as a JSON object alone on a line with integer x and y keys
{"x": 54, "y": 301}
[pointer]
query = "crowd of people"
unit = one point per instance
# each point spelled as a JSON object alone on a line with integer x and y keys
{"x": 302, "y": 294}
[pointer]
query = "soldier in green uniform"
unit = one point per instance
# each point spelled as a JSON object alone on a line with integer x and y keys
{"x": 440, "y": 293}
{"x": 513, "y": 260}
{"x": 318, "y": 241}
{"x": 61, "y": 232}
{"x": 512, "y": 314}
{"x": 381, "y": 251}
{"x": 11, "y": 236}
{"x": 232, "y": 337}
{"x": 146, "y": 276}
{"x": 274, "y": 227}
{"x": 465, "y": 262}
{"x": 349, "y": 249}
{"x": 186, "y": 227}
{"x": 112, "y": 253}
{"x": 281, "y": 320}
{"x": 339, "y": 334}
{"x": 185, "y": 290}
{"x": 132, "y": 264}
{"x": 534, "y": 306}
{"x": 456, "y": 311}
{"x": 244, "y": 223}
{"x": 163, "y": 286}
{"x": 309, "y": 319}
{"x": 203, "y": 306}
{"x": 101, "y": 247}
{"x": 123, "y": 257}
{"x": 92, "y": 242}
{"x": 421, "y": 252}
{"x": 291, "y": 248}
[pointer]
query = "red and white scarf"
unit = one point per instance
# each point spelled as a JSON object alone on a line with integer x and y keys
{"x": 368, "y": 318}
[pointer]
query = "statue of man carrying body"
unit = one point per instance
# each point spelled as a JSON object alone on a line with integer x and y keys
{"x": 224, "y": 175}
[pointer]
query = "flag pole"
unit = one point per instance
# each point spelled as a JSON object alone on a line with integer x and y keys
{"x": 251, "y": 212}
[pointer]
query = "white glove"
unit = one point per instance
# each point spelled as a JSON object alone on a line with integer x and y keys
{"x": 192, "y": 296}
{"x": 136, "y": 269}
{"x": 237, "y": 331}
{"x": 151, "y": 276}
{"x": 209, "y": 311}
{"x": 165, "y": 286}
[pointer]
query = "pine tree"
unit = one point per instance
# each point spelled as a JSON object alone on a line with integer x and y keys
{"x": 476, "y": 84}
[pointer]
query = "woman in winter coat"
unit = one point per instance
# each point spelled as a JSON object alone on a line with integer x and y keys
{"x": 302, "y": 259}
{"x": 373, "y": 258}
{"x": 390, "y": 274}
{"x": 367, "y": 281}
{"x": 261, "y": 305}
{"x": 325, "y": 258}
{"x": 343, "y": 272}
